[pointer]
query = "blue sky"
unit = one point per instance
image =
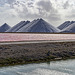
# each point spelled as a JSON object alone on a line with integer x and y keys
{"x": 53, "y": 11}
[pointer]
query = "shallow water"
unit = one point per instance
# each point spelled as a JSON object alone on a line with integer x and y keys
{"x": 28, "y": 36}
{"x": 64, "y": 67}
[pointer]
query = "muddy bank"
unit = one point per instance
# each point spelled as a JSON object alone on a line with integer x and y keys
{"x": 39, "y": 52}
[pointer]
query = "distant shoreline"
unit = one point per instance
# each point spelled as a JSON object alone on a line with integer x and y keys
{"x": 34, "y": 41}
{"x": 35, "y": 52}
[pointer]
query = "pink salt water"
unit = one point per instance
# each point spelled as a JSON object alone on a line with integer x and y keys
{"x": 31, "y": 37}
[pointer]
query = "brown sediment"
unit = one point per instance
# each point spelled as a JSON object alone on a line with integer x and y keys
{"x": 39, "y": 52}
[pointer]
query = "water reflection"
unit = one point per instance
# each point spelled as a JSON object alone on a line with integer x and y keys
{"x": 64, "y": 67}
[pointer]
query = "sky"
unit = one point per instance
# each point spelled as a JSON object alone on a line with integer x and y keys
{"x": 53, "y": 11}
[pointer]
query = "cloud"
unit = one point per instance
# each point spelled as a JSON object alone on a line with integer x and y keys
{"x": 66, "y": 5}
{"x": 71, "y": 14}
{"x": 2, "y": 2}
{"x": 39, "y": 8}
{"x": 30, "y": 9}
{"x": 46, "y": 8}
{"x": 11, "y": 1}
{"x": 45, "y": 5}
{"x": 8, "y": 15}
{"x": 53, "y": 11}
